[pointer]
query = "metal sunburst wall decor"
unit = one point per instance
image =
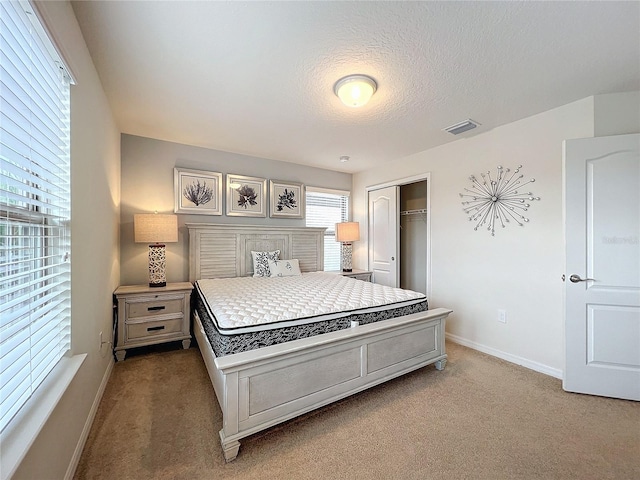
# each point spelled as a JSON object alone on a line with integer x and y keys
{"x": 497, "y": 201}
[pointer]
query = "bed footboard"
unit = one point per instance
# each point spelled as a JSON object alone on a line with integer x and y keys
{"x": 264, "y": 387}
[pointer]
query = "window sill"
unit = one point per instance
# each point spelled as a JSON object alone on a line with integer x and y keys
{"x": 22, "y": 431}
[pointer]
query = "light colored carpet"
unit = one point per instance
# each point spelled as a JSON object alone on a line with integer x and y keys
{"x": 480, "y": 418}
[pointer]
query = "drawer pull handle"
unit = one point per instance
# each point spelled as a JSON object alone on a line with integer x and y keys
{"x": 159, "y": 327}
{"x": 159, "y": 307}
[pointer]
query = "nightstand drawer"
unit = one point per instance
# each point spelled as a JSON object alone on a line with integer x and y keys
{"x": 366, "y": 277}
{"x": 151, "y": 329}
{"x": 155, "y": 307}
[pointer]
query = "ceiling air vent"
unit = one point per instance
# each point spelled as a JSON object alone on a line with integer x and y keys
{"x": 461, "y": 127}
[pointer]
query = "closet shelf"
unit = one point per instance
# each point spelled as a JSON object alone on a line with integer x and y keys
{"x": 419, "y": 211}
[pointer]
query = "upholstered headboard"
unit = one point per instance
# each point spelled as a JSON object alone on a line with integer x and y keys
{"x": 217, "y": 251}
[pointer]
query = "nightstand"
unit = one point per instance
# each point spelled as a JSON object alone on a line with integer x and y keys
{"x": 357, "y": 274}
{"x": 147, "y": 316}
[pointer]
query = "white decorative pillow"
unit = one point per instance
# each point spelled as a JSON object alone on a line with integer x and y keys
{"x": 284, "y": 268}
{"x": 261, "y": 262}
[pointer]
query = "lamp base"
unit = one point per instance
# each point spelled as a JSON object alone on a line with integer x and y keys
{"x": 157, "y": 265}
{"x": 345, "y": 257}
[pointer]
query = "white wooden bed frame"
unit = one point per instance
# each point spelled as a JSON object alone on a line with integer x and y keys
{"x": 261, "y": 388}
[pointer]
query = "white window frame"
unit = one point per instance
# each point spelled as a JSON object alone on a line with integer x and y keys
{"x": 35, "y": 206}
{"x": 331, "y": 247}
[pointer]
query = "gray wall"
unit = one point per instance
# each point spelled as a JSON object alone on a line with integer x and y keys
{"x": 147, "y": 186}
{"x": 616, "y": 114}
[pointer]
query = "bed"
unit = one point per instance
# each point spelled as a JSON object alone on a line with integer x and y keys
{"x": 260, "y": 387}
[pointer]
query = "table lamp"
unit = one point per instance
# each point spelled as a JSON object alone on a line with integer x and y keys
{"x": 347, "y": 232}
{"x": 156, "y": 230}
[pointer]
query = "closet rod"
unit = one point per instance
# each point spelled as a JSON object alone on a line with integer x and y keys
{"x": 419, "y": 211}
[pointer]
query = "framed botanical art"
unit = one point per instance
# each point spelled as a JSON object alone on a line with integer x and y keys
{"x": 287, "y": 199}
{"x": 197, "y": 191}
{"x": 246, "y": 196}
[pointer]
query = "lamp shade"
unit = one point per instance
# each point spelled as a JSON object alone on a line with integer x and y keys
{"x": 347, "y": 232}
{"x": 155, "y": 228}
{"x": 355, "y": 90}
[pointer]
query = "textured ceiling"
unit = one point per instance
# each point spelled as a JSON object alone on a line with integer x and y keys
{"x": 257, "y": 77}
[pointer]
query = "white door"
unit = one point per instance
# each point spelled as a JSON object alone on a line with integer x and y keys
{"x": 602, "y": 289}
{"x": 384, "y": 235}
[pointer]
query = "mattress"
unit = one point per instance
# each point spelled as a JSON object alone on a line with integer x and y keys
{"x": 245, "y": 313}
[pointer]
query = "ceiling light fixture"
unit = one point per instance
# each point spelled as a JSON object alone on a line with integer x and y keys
{"x": 344, "y": 158}
{"x": 355, "y": 90}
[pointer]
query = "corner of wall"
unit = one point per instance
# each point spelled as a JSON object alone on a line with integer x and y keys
{"x": 616, "y": 114}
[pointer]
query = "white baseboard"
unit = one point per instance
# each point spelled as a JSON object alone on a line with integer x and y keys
{"x": 71, "y": 470}
{"x": 538, "y": 367}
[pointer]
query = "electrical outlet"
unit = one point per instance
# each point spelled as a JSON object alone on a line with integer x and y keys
{"x": 100, "y": 345}
{"x": 502, "y": 315}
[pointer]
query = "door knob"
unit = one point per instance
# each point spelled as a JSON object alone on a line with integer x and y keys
{"x": 576, "y": 278}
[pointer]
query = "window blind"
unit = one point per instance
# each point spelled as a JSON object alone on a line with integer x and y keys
{"x": 325, "y": 208}
{"x": 34, "y": 207}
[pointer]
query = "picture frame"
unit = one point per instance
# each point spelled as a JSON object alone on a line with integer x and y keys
{"x": 197, "y": 191}
{"x": 246, "y": 196}
{"x": 286, "y": 199}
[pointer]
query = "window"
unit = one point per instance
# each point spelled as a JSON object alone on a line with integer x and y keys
{"x": 325, "y": 208}
{"x": 34, "y": 207}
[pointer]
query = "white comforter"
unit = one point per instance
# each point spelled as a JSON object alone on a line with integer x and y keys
{"x": 248, "y": 303}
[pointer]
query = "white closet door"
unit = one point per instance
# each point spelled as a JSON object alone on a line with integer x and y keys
{"x": 384, "y": 235}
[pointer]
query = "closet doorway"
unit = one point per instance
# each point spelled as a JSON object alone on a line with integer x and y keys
{"x": 399, "y": 233}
